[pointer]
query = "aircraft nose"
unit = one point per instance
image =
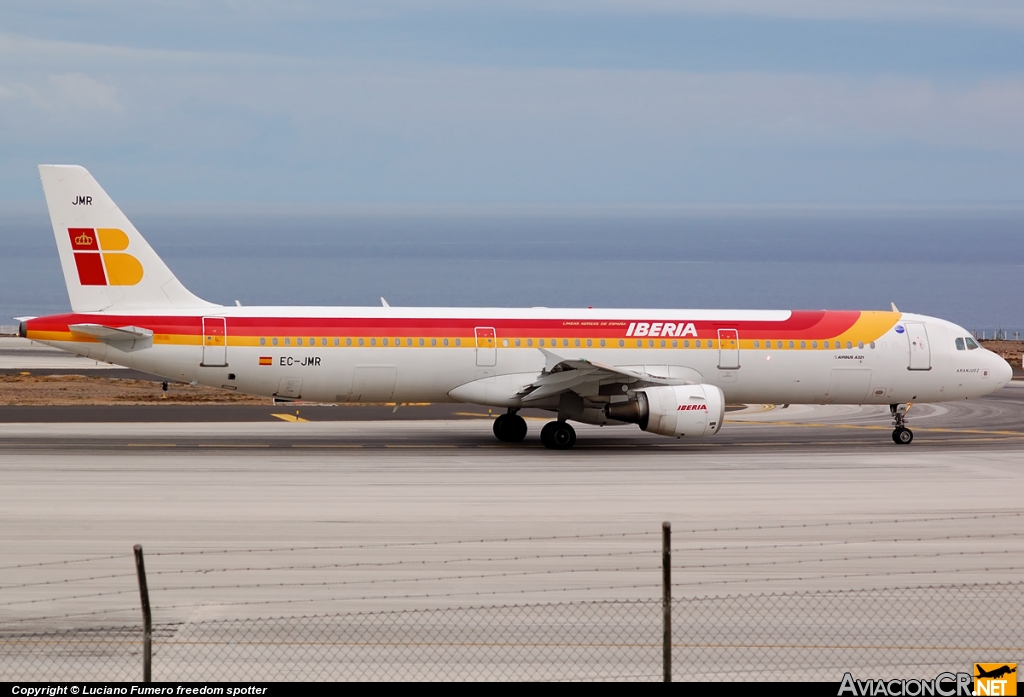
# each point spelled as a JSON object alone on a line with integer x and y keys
{"x": 1002, "y": 371}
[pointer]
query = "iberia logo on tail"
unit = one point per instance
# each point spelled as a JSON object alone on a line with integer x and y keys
{"x": 100, "y": 257}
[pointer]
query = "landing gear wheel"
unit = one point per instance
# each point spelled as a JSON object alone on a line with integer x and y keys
{"x": 558, "y": 435}
{"x": 510, "y": 428}
{"x": 902, "y": 436}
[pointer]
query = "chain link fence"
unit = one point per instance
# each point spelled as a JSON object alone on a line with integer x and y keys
{"x": 881, "y": 633}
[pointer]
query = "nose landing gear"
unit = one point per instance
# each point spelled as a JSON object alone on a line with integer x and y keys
{"x": 901, "y": 435}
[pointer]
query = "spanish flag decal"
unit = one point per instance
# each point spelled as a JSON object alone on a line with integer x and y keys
{"x": 266, "y": 360}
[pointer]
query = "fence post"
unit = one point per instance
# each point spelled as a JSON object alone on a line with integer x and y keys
{"x": 147, "y": 618}
{"x": 666, "y": 599}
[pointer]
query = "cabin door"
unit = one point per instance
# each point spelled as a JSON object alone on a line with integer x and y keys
{"x": 486, "y": 347}
{"x": 728, "y": 349}
{"x": 215, "y": 342}
{"x": 920, "y": 351}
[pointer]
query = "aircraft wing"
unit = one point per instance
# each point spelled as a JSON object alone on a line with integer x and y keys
{"x": 586, "y": 378}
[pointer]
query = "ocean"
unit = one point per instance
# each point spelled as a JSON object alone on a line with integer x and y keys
{"x": 964, "y": 265}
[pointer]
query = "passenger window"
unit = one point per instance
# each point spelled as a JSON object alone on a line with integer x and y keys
{"x": 288, "y": 342}
{"x": 791, "y": 344}
{"x": 323, "y": 342}
{"x": 686, "y": 343}
{"x": 602, "y": 343}
{"x": 803, "y": 344}
{"x": 444, "y": 342}
{"x": 529, "y": 342}
{"x": 872, "y": 344}
{"x": 675, "y": 344}
{"x": 622, "y": 342}
{"x": 384, "y": 342}
{"x": 433, "y": 342}
{"x": 577, "y": 342}
{"x": 663, "y": 343}
{"x": 517, "y": 342}
{"x": 860, "y": 344}
{"x": 421, "y": 342}
{"x": 757, "y": 344}
{"x": 348, "y": 341}
{"x": 697, "y": 343}
{"x": 972, "y": 344}
{"x": 263, "y": 342}
{"x": 826, "y": 344}
{"x": 959, "y": 344}
{"x": 337, "y": 342}
{"x": 849, "y": 344}
{"x": 408, "y": 342}
{"x": 312, "y": 341}
{"x": 814, "y": 344}
{"x": 589, "y": 343}
{"x": 458, "y": 342}
{"x": 565, "y": 343}
{"x": 541, "y": 343}
{"x": 639, "y": 343}
{"x": 504, "y": 342}
{"x": 650, "y": 343}
{"x": 274, "y": 341}
{"x": 360, "y": 341}
{"x": 373, "y": 342}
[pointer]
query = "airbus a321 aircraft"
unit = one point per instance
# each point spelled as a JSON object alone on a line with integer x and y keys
{"x": 669, "y": 371}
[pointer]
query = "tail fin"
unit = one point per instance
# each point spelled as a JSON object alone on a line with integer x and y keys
{"x": 107, "y": 264}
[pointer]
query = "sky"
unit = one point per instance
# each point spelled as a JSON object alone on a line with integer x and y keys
{"x": 722, "y": 102}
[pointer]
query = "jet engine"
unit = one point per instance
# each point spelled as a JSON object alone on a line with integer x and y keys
{"x": 673, "y": 410}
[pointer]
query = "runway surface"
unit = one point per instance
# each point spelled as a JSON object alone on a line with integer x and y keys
{"x": 363, "y": 510}
{"x": 269, "y": 517}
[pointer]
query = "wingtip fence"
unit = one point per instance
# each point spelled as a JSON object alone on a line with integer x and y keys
{"x": 903, "y": 631}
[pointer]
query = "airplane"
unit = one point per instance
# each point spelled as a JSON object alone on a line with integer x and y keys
{"x": 996, "y": 673}
{"x": 671, "y": 372}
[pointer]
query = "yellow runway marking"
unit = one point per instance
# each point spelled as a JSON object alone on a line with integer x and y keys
{"x": 421, "y": 446}
{"x": 290, "y": 417}
{"x": 295, "y": 445}
{"x": 232, "y": 445}
{"x": 866, "y": 427}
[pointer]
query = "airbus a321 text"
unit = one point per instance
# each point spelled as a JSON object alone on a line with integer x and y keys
{"x": 669, "y": 371}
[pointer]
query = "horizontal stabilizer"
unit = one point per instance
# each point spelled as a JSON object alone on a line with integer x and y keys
{"x": 112, "y": 334}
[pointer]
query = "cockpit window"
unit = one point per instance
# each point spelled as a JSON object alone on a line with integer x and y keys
{"x": 959, "y": 344}
{"x": 971, "y": 344}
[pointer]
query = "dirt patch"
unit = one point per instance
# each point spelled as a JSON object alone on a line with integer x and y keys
{"x": 77, "y": 389}
{"x": 1010, "y": 350}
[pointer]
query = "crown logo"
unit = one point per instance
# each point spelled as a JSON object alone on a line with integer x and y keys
{"x": 83, "y": 240}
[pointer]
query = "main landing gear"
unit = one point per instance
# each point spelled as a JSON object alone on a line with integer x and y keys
{"x": 510, "y": 427}
{"x": 558, "y": 435}
{"x": 901, "y": 434}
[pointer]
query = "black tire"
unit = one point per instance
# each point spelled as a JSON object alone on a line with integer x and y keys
{"x": 510, "y": 428}
{"x": 499, "y": 427}
{"x": 558, "y": 435}
{"x": 515, "y": 428}
{"x": 903, "y": 436}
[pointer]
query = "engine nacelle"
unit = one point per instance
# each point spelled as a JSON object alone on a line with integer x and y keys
{"x": 673, "y": 410}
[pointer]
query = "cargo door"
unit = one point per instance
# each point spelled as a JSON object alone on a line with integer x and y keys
{"x": 215, "y": 342}
{"x": 920, "y": 350}
{"x": 728, "y": 349}
{"x": 373, "y": 383}
{"x": 848, "y": 385}
{"x": 486, "y": 347}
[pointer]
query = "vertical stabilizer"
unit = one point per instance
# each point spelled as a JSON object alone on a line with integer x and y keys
{"x": 107, "y": 264}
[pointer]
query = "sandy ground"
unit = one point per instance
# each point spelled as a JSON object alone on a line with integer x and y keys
{"x": 51, "y": 390}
